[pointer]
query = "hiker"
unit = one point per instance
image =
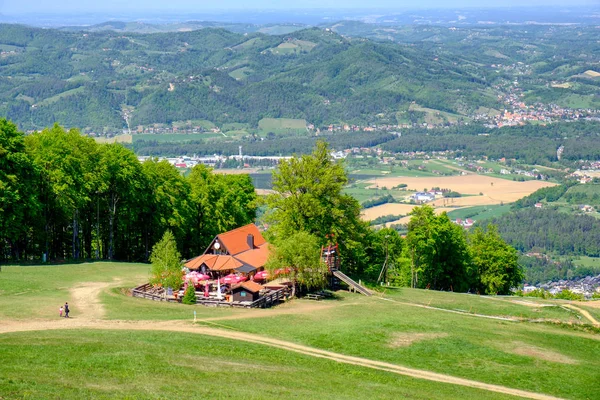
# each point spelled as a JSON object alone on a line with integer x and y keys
{"x": 60, "y": 311}
{"x": 66, "y": 310}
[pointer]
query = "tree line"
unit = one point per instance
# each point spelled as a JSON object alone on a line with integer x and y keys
{"x": 550, "y": 230}
{"x": 309, "y": 209}
{"x": 65, "y": 196}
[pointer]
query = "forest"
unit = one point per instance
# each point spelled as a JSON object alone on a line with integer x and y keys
{"x": 85, "y": 79}
{"x": 550, "y": 230}
{"x": 529, "y": 144}
{"x": 65, "y": 196}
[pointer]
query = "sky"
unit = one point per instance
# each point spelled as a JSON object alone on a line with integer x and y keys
{"x": 71, "y": 6}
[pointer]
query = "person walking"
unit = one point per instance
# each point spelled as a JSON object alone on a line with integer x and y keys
{"x": 66, "y": 310}
{"x": 60, "y": 311}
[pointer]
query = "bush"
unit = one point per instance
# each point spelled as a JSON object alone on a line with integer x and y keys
{"x": 189, "y": 297}
{"x": 596, "y": 296}
{"x": 452, "y": 194}
{"x": 541, "y": 293}
{"x": 566, "y": 294}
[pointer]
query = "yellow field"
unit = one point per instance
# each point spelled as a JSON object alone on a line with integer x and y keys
{"x": 395, "y": 209}
{"x": 494, "y": 191}
{"x": 592, "y": 73}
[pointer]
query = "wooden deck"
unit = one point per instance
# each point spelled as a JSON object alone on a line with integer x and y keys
{"x": 268, "y": 299}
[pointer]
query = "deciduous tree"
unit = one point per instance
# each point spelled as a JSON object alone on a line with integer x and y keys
{"x": 166, "y": 263}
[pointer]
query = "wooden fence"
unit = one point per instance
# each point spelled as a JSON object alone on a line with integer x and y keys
{"x": 269, "y": 299}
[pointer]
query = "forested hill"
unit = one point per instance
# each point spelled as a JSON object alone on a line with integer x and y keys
{"x": 96, "y": 79}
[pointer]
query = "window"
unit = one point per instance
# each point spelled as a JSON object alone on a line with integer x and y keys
{"x": 243, "y": 294}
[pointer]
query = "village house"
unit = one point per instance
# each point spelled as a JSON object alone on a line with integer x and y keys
{"x": 423, "y": 197}
{"x": 242, "y": 250}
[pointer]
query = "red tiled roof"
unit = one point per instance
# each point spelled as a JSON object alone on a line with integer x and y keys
{"x": 214, "y": 262}
{"x": 256, "y": 258}
{"x": 250, "y": 286}
{"x": 236, "y": 241}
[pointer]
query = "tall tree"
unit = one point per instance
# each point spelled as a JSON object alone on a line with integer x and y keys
{"x": 298, "y": 257}
{"x": 168, "y": 199}
{"x": 19, "y": 202}
{"x": 438, "y": 251}
{"x": 218, "y": 203}
{"x": 309, "y": 197}
{"x": 496, "y": 268}
{"x": 166, "y": 263}
{"x": 122, "y": 180}
{"x": 67, "y": 161}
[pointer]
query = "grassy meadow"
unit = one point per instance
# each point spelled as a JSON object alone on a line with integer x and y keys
{"x": 434, "y": 331}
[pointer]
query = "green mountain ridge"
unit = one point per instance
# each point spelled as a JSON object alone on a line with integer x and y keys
{"x": 177, "y": 76}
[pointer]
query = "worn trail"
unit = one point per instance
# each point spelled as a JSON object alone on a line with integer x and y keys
{"x": 179, "y": 326}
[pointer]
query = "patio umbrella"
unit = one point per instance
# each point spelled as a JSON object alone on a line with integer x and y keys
{"x": 239, "y": 279}
{"x": 231, "y": 278}
{"x": 261, "y": 276}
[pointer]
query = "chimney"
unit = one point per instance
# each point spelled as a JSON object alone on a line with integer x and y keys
{"x": 250, "y": 240}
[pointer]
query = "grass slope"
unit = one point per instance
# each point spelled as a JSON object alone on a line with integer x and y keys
{"x": 152, "y": 365}
{"x": 537, "y": 357}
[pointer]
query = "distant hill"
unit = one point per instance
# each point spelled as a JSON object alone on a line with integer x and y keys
{"x": 144, "y": 27}
{"x": 97, "y": 79}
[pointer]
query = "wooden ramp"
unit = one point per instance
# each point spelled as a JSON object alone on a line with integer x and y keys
{"x": 350, "y": 282}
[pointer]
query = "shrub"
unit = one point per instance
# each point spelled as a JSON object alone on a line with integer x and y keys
{"x": 566, "y": 294}
{"x": 189, "y": 297}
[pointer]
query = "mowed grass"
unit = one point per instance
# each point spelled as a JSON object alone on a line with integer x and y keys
{"x": 267, "y": 124}
{"x": 38, "y": 291}
{"x": 540, "y": 357}
{"x": 529, "y": 356}
{"x": 157, "y": 365}
{"x": 480, "y": 212}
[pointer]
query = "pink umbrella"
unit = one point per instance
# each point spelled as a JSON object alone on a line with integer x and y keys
{"x": 261, "y": 276}
{"x": 231, "y": 278}
{"x": 241, "y": 279}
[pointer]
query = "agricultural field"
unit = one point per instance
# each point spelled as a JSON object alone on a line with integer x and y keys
{"x": 400, "y": 343}
{"x": 125, "y": 138}
{"x": 175, "y": 137}
{"x": 482, "y": 196}
{"x": 483, "y": 190}
{"x": 480, "y": 212}
{"x": 281, "y": 123}
{"x": 295, "y": 46}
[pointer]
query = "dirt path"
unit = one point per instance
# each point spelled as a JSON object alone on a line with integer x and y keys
{"x": 85, "y": 299}
{"x": 586, "y": 314}
{"x": 513, "y": 319}
{"x": 179, "y": 326}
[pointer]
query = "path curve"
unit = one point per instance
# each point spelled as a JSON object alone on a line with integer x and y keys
{"x": 180, "y": 326}
{"x": 585, "y": 313}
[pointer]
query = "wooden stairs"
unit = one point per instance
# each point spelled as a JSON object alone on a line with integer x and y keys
{"x": 350, "y": 282}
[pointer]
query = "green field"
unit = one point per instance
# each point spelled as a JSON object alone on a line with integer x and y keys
{"x": 480, "y": 212}
{"x": 175, "y": 137}
{"x": 115, "y": 346}
{"x": 588, "y": 189}
{"x": 278, "y": 124}
{"x": 241, "y": 73}
{"x": 61, "y": 96}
